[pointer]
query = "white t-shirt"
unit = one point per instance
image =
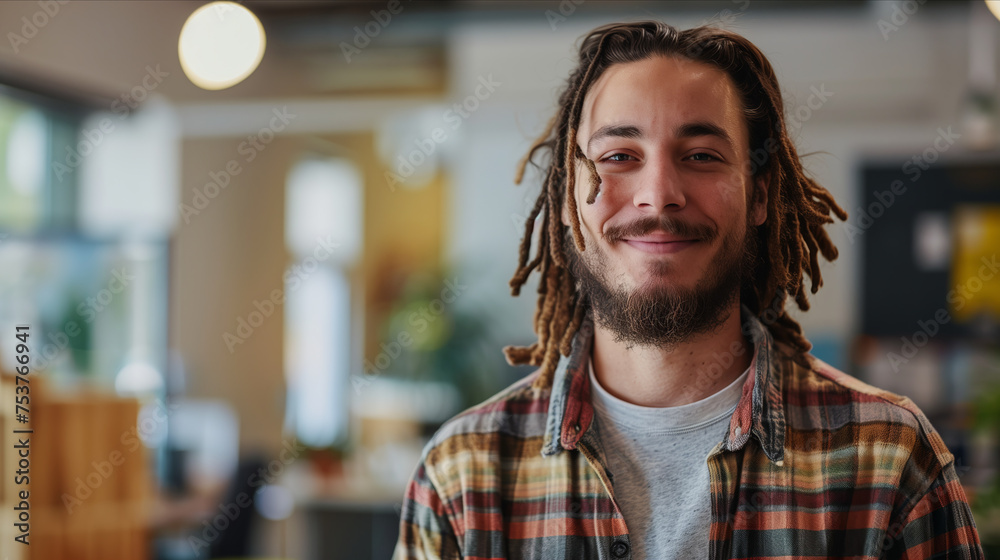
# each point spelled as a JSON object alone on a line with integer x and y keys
{"x": 657, "y": 458}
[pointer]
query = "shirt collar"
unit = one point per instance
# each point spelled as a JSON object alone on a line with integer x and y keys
{"x": 759, "y": 413}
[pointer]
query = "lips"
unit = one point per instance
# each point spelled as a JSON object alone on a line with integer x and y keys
{"x": 659, "y": 246}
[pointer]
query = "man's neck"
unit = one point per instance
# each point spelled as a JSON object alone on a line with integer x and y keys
{"x": 685, "y": 373}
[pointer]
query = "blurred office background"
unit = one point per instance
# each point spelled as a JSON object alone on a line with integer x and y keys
{"x": 250, "y": 306}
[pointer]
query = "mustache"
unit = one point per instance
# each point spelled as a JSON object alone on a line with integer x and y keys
{"x": 663, "y": 222}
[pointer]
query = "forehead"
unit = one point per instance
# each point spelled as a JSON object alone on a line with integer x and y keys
{"x": 661, "y": 93}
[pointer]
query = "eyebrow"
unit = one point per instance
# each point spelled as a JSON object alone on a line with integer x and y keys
{"x": 703, "y": 128}
{"x": 687, "y": 130}
{"x": 615, "y": 130}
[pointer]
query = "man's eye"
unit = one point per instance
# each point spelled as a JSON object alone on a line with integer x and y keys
{"x": 702, "y": 156}
{"x": 613, "y": 156}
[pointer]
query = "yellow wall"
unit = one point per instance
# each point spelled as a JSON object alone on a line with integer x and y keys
{"x": 404, "y": 233}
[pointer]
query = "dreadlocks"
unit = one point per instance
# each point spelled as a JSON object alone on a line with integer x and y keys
{"x": 790, "y": 240}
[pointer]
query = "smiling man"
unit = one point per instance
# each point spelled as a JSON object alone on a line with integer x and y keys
{"x": 675, "y": 411}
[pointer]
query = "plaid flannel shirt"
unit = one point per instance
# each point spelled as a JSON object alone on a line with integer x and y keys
{"x": 815, "y": 464}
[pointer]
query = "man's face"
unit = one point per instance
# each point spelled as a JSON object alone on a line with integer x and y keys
{"x": 667, "y": 237}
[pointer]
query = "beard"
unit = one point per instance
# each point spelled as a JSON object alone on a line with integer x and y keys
{"x": 658, "y": 313}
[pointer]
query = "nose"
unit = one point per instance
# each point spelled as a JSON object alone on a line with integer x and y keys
{"x": 659, "y": 187}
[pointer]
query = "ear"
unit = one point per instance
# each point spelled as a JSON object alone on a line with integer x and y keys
{"x": 759, "y": 200}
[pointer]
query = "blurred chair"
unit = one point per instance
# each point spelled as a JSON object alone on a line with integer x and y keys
{"x": 234, "y": 541}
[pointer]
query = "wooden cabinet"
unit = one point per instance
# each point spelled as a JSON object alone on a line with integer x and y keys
{"x": 90, "y": 477}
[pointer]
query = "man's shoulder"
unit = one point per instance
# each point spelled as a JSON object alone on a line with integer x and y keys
{"x": 519, "y": 410}
{"x": 823, "y": 398}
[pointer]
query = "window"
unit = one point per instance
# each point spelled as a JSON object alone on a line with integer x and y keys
{"x": 35, "y": 193}
{"x": 323, "y": 234}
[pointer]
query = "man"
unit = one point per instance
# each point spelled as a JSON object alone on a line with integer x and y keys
{"x": 676, "y": 411}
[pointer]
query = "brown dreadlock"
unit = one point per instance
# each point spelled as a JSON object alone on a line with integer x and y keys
{"x": 790, "y": 240}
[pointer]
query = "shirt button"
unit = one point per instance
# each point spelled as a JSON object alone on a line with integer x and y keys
{"x": 619, "y": 549}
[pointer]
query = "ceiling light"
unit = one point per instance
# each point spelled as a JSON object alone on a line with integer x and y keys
{"x": 994, "y": 6}
{"x": 221, "y": 44}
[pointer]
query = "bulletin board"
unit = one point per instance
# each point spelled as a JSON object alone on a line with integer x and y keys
{"x": 930, "y": 244}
